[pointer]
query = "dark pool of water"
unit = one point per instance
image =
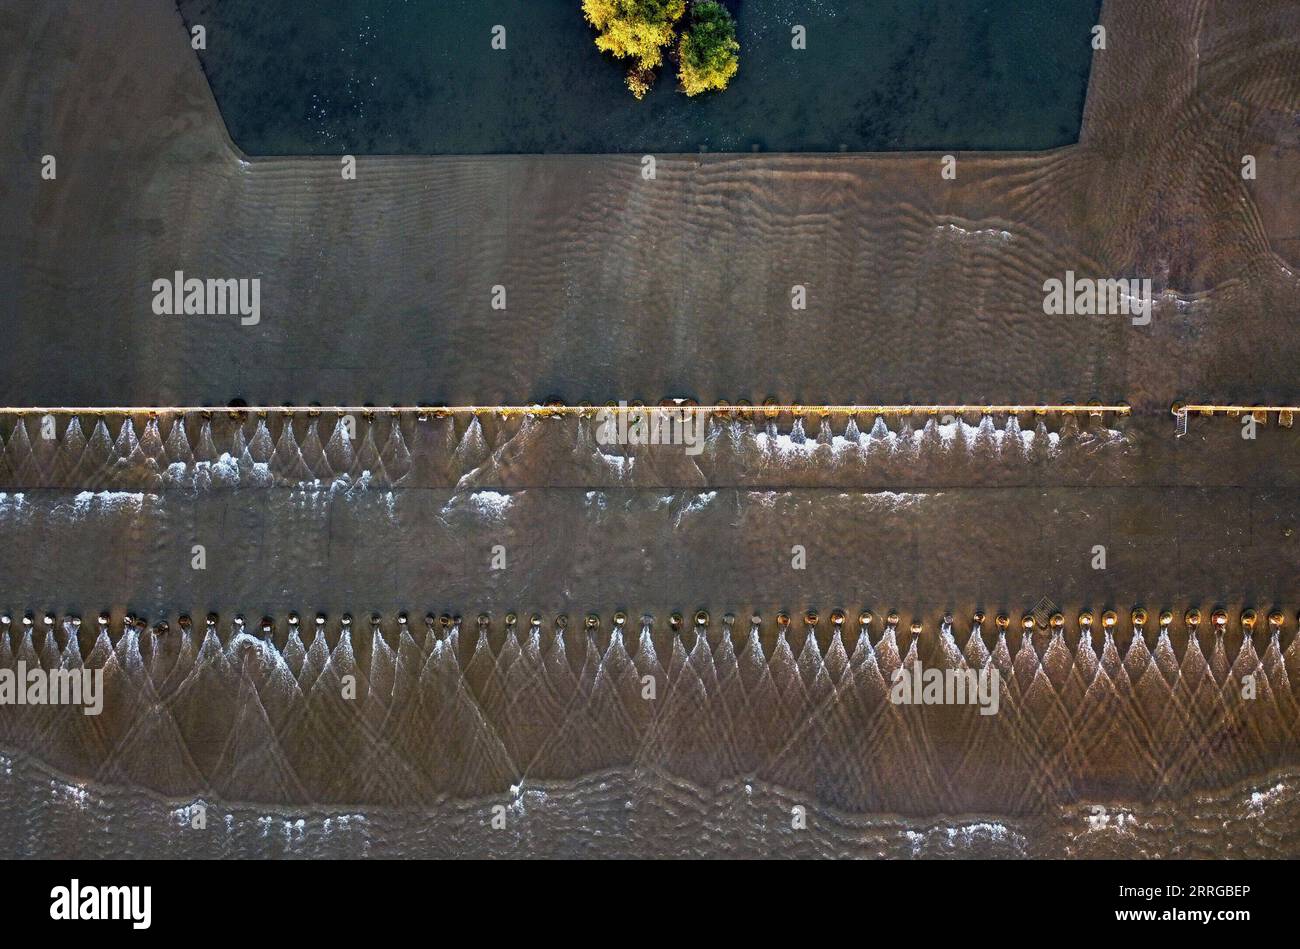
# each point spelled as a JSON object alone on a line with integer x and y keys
{"x": 420, "y": 77}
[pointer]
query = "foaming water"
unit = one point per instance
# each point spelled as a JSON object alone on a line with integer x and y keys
{"x": 376, "y": 715}
{"x": 624, "y": 813}
{"x": 164, "y": 451}
{"x": 193, "y": 452}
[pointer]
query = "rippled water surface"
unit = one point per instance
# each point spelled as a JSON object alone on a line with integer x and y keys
{"x": 624, "y": 814}
{"x": 368, "y": 735}
{"x": 738, "y": 740}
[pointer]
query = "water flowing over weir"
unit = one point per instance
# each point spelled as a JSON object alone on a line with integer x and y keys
{"x": 365, "y": 632}
{"x": 154, "y": 451}
{"x": 406, "y": 511}
{"x": 322, "y": 728}
{"x": 163, "y": 450}
{"x": 453, "y": 716}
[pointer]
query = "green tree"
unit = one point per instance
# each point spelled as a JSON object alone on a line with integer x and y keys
{"x": 637, "y": 30}
{"x": 708, "y": 54}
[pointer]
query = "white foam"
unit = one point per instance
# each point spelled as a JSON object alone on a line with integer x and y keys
{"x": 986, "y": 233}
{"x": 491, "y": 504}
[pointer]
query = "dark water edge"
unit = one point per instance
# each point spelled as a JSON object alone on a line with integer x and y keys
{"x": 620, "y": 814}
{"x": 406, "y": 77}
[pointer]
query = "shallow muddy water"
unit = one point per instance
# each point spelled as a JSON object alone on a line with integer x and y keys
{"x": 730, "y": 734}
{"x": 624, "y": 813}
{"x": 920, "y": 290}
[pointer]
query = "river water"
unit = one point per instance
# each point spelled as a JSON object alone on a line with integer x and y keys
{"x": 398, "y": 77}
{"x": 379, "y": 290}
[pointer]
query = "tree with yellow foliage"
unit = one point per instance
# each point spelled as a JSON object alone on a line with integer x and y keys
{"x": 638, "y": 30}
{"x": 708, "y": 54}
